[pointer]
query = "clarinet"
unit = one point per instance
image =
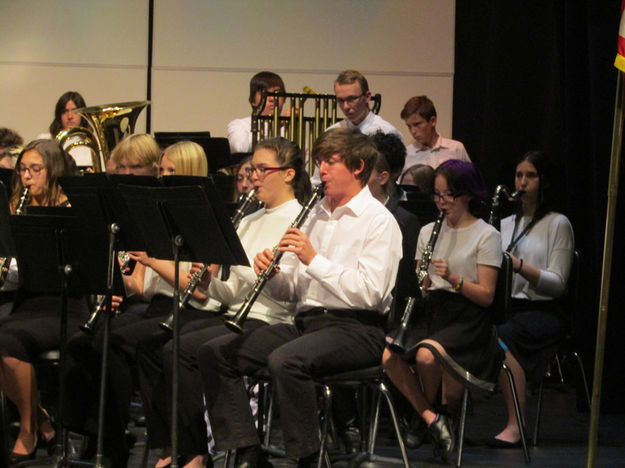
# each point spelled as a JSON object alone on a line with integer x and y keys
{"x": 196, "y": 278}
{"x": 494, "y": 216}
{"x": 5, "y": 262}
{"x": 236, "y": 323}
{"x": 399, "y": 343}
{"x": 89, "y": 325}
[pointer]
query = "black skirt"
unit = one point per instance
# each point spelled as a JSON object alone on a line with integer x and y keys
{"x": 533, "y": 333}
{"x": 461, "y": 337}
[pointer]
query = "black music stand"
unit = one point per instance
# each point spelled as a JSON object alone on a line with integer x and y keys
{"x": 183, "y": 223}
{"x": 7, "y": 249}
{"x": 50, "y": 257}
{"x": 6, "y": 176}
{"x": 107, "y": 222}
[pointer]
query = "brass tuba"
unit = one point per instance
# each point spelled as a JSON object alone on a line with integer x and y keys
{"x": 109, "y": 123}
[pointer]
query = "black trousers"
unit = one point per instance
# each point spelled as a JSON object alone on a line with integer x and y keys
{"x": 295, "y": 354}
{"x": 155, "y": 381}
{"x": 128, "y": 330}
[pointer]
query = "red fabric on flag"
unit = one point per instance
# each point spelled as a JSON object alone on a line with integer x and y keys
{"x": 620, "y": 51}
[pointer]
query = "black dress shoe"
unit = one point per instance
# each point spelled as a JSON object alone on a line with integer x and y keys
{"x": 443, "y": 438}
{"x": 308, "y": 461}
{"x": 416, "y": 432}
{"x": 15, "y": 458}
{"x": 351, "y": 439}
{"x": 498, "y": 443}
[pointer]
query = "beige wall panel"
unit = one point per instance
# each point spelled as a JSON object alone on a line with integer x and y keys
{"x": 29, "y": 93}
{"x": 214, "y": 98}
{"x": 330, "y": 35}
{"x": 74, "y": 31}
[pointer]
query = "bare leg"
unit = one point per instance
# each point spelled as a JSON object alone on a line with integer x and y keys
{"x": 403, "y": 377}
{"x": 511, "y": 432}
{"x": 199, "y": 461}
{"x": 452, "y": 390}
{"x": 165, "y": 458}
{"x": 19, "y": 384}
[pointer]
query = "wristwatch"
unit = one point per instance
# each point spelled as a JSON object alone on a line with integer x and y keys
{"x": 459, "y": 284}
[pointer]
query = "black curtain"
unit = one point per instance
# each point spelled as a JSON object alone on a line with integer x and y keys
{"x": 540, "y": 75}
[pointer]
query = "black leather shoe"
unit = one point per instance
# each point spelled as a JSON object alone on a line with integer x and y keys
{"x": 15, "y": 458}
{"x": 415, "y": 433}
{"x": 308, "y": 461}
{"x": 351, "y": 439}
{"x": 443, "y": 438}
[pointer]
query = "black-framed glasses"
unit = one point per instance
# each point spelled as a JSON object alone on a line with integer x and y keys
{"x": 349, "y": 99}
{"x": 446, "y": 197}
{"x": 33, "y": 170}
{"x": 328, "y": 161}
{"x": 262, "y": 171}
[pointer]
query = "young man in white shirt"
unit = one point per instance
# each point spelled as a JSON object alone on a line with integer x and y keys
{"x": 428, "y": 146}
{"x": 240, "y": 130}
{"x": 340, "y": 269}
{"x": 353, "y": 96}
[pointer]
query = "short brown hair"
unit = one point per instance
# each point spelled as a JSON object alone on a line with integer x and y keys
{"x": 351, "y": 76}
{"x": 352, "y": 146}
{"x": 421, "y": 105}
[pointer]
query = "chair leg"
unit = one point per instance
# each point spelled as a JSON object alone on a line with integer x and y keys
{"x": 4, "y": 436}
{"x": 539, "y": 410}
{"x": 463, "y": 418}
{"x": 517, "y": 410}
{"x": 391, "y": 407}
{"x": 327, "y": 410}
{"x": 146, "y": 451}
{"x": 580, "y": 364}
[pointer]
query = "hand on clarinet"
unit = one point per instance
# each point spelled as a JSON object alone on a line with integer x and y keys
{"x": 297, "y": 242}
{"x": 206, "y": 278}
{"x": 262, "y": 260}
{"x": 141, "y": 257}
{"x": 441, "y": 268}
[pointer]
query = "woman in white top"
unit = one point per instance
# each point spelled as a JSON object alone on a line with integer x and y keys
{"x": 540, "y": 243}
{"x": 460, "y": 348}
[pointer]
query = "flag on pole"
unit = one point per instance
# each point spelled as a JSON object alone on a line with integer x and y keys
{"x": 620, "y": 54}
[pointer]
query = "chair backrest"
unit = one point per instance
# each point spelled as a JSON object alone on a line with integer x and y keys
{"x": 503, "y": 291}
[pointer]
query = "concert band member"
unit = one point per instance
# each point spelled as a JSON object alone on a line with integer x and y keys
{"x": 540, "y": 242}
{"x": 353, "y": 97}
{"x": 33, "y": 325}
{"x": 240, "y": 130}
{"x": 428, "y": 147}
{"x": 137, "y": 155}
{"x": 279, "y": 176}
{"x": 460, "y": 348}
{"x": 65, "y": 119}
{"x": 340, "y": 268}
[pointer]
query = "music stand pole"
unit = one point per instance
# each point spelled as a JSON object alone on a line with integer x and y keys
{"x": 113, "y": 231}
{"x": 177, "y": 243}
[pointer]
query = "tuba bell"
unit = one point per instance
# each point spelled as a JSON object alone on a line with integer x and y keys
{"x": 109, "y": 123}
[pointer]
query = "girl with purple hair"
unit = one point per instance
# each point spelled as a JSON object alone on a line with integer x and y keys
{"x": 460, "y": 348}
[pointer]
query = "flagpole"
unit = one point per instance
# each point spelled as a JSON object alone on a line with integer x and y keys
{"x": 606, "y": 268}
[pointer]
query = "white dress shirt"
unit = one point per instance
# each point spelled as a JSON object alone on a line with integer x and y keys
{"x": 240, "y": 135}
{"x": 370, "y": 125}
{"x": 358, "y": 249}
{"x": 444, "y": 149}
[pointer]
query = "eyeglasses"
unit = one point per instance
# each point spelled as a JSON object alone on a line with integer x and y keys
{"x": 349, "y": 99}
{"x": 33, "y": 170}
{"x": 263, "y": 171}
{"x": 446, "y": 197}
